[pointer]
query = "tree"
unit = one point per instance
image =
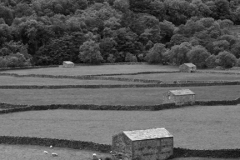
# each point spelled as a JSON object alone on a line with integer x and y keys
{"x": 235, "y": 49}
{"x": 126, "y": 41}
{"x": 178, "y": 11}
{"x": 60, "y": 49}
{"x": 220, "y": 45}
{"x": 107, "y": 47}
{"x": 155, "y": 7}
{"x": 7, "y": 14}
{"x": 121, "y": 5}
{"x": 190, "y": 28}
{"x": 177, "y": 39}
{"x": 89, "y": 52}
{"x": 230, "y": 38}
{"x": 211, "y": 61}
{"x": 155, "y": 54}
{"x": 220, "y": 9}
{"x": 166, "y": 30}
{"x": 23, "y": 9}
{"x": 200, "y": 8}
{"x": 147, "y": 26}
{"x": 198, "y": 55}
{"x": 226, "y": 59}
{"x": 178, "y": 53}
{"x": 226, "y": 23}
{"x": 5, "y": 34}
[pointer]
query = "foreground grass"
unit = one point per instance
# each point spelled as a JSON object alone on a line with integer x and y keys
{"x": 93, "y": 70}
{"x": 114, "y": 96}
{"x": 10, "y": 80}
{"x": 13, "y": 152}
{"x": 199, "y": 127}
{"x": 170, "y": 77}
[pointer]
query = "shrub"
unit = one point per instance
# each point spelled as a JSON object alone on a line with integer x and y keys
{"x": 3, "y": 62}
{"x": 111, "y": 58}
{"x": 12, "y": 61}
{"x": 140, "y": 57}
{"x": 226, "y": 59}
{"x": 90, "y": 52}
{"x": 211, "y": 61}
{"x": 198, "y": 55}
{"x": 238, "y": 62}
{"x": 236, "y": 49}
{"x": 155, "y": 54}
{"x": 130, "y": 58}
{"x": 4, "y": 51}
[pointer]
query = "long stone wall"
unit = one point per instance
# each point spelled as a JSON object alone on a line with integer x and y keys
{"x": 22, "y": 108}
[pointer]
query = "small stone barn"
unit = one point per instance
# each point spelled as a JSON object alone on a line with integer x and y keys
{"x": 68, "y": 64}
{"x": 150, "y": 144}
{"x": 180, "y": 97}
{"x": 187, "y": 67}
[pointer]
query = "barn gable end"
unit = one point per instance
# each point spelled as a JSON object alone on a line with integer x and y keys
{"x": 150, "y": 144}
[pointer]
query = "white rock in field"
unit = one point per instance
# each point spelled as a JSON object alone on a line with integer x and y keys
{"x": 46, "y": 152}
{"x": 94, "y": 156}
{"x": 54, "y": 154}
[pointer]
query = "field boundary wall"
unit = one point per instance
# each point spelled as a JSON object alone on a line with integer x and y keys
{"x": 11, "y": 108}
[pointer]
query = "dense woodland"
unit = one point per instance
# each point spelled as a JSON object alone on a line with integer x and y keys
{"x": 46, "y": 32}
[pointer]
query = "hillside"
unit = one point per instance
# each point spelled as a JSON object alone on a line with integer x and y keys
{"x": 47, "y": 32}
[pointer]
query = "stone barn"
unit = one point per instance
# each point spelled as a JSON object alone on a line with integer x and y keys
{"x": 187, "y": 67}
{"x": 150, "y": 144}
{"x": 68, "y": 64}
{"x": 180, "y": 97}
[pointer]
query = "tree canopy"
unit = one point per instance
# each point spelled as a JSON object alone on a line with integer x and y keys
{"x": 157, "y": 31}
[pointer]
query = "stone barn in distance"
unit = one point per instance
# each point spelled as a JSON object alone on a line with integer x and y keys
{"x": 180, "y": 97}
{"x": 187, "y": 67}
{"x": 68, "y": 64}
{"x": 150, "y": 144}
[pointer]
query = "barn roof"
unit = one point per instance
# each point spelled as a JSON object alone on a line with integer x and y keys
{"x": 147, "y": 134}
{"x": 182, "y": 92}
{"x": 68, "y": 62}
{"x": 189, "y": 64}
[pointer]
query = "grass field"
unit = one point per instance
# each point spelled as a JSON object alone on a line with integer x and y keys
{"x": 93, "y": 70}
{"x": 200, "y": 127}
{"x": 114, "y": 96}
{"x": 169, "y": 77}
{"x": 231, "y": 70}
{"x": 13, "y": 152}
{"x": 195, "y": 127}
{"x": 10, "y": 80}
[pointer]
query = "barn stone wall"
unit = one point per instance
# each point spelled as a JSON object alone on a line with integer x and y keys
{"x": 154, "y": 149}
{"x": 121, "y": 147}
{"x": 184, "y": 99}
